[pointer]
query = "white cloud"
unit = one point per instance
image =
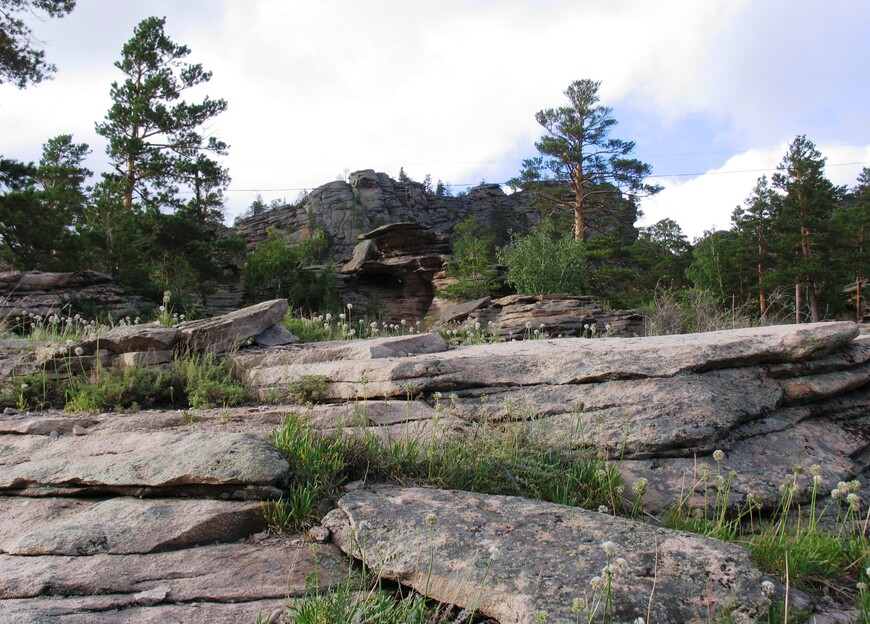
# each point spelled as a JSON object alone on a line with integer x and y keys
{"x": 451, "y": 87}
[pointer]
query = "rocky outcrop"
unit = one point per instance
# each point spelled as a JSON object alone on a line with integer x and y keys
{"x": 228, "y": 331}
{"x": 521, "y": 316}
{"x": 511, "y": 559}
{"x": 147, "y": 517}
{"x": 368, "y": 200}
{"x": 149, "y": 344}
{"x": 792, "y": 395}
{"x": 151, "y": 516}
{"x": 394, "y": 266}
{"x": 25, "y": 293}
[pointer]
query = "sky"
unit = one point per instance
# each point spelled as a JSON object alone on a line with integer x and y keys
{"x": 711, "y": 91}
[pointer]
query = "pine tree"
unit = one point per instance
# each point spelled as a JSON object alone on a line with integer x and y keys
{"x": 580, "y": 165}
{"x": 753, "y": 224}
{"x": 802, "y": 227}
{"x": 156, "y": 141}
{"x": 21, "y": 62}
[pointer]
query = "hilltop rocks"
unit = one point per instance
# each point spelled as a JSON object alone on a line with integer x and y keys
{"x": 511, "y": 558}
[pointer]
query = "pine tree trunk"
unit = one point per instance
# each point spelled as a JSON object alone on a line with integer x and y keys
{"x": 815, "y": 315}
{"x": 579, "y": 223}
{"x": 762, "y": 295}
{"x": 798, "y": 302}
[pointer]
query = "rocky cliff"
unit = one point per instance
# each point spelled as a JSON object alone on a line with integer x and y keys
{"x": 367, "y": 200}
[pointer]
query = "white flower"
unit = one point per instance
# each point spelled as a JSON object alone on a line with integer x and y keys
{"x": 767, "y": 588}
{"x": 79, "y": 351}
{"x": 431, "y": 520}
{"x": 639, "y": 620}
{"x": 609, "y": 547}
{"x": 603, "y": 509}
{"x": 596, "y": 582}
{"x": 718, "y": 455}
{"x": 350, "y": 306}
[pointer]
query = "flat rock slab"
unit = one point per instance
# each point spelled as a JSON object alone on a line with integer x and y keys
{"x": 557, "y": 362}
{"x": 512, "y": 558}
{"x": 138, "y": 463}
{"x": 118, "y": 608}
{"x": 773, "y": 448}
{"x": 273, "y": 568}
{"x": 634, "y": 418}
{"x": 122, "y": 339}
{"x": 72, "y": 526}
{"x": 228, "y": 331}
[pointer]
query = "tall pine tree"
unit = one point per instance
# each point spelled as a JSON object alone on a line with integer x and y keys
{"x": 803, "y": 226}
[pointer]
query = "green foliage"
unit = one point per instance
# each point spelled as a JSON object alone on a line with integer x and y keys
{"x": 472, "y": 264}
{"x": 42, "y": 208}
{"x": 278, "y": 269}
{"x": 580, "y": 166}
{"x": 308, "y": 389}
{"x": 195, "y": 380}
{"x": 209, "y": 381}
{"x": 21, "y": 62}
{"x": 155, "y": 139}
{"x": 354, "y": 602}
{"x": 121, "y": 388}
{"x": 542, "y": 263}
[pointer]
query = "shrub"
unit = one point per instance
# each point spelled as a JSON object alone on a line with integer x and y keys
{"x": 473, "y": 262}
{"x": 544, "y": 263}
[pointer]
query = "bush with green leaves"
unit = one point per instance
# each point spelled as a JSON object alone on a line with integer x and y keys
{"x": 544, "y": 262}
{"x": 277, "y": 268}
{"x": 473, "y": 262}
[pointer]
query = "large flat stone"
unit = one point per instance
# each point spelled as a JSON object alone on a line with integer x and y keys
{"x": 557, "y": 362}
{"x": 772, "y": 449}
{"x": 271, "y": 569}
{"x": 547, "y": 555}
{"x": 634, "y": 418}
{"x": 138, "y": 463}
{"x": 69, "y": 526}
{"x": 122, "y": 608}
{"x": 228, "y": 331}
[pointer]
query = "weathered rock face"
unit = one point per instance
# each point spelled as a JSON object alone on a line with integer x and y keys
{"x": 33, "y": 292}
{"x": 228, "y": 331}
{"x": 795, "y": 394}
{"x": 150, "y": 344}
{"x": 519, "y": 316}
{"x": 152, "y": 515}
{"x": 404, "y": 232}
{"x": 512, "y": 558}
{"x": 107, "y": 518}
{"x": 369, "y": 200}
{"x": 394, "y": 265}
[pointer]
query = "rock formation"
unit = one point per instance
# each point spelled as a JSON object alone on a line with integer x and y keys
{"x": 23, "y": 293}
{"x": 154, "y": 516}
{"x": 657, "y": 405}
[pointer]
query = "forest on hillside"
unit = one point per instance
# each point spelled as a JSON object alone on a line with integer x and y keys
{"x": 796, "y": 250}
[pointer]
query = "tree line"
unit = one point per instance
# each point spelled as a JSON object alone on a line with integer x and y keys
{"x": 154, "y": 221}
